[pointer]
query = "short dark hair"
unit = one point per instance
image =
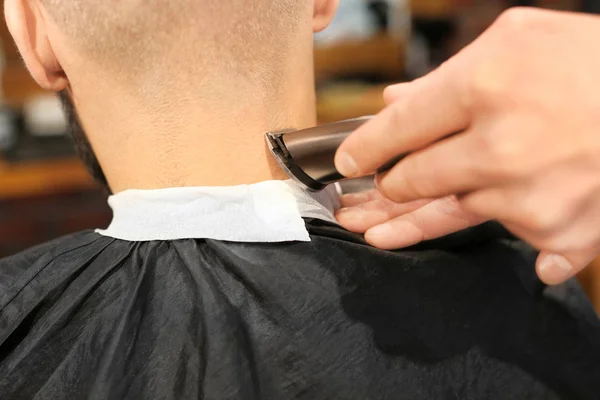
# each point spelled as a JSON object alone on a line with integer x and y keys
{"x": 76, "y": 132}
{"x": 129, "y": 39}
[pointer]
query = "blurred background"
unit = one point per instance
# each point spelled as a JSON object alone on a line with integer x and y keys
{"x": 45, "y": 192}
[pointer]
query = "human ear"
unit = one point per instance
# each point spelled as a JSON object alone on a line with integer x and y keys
{"x": 27, "y": 25}
{"x": 323, "y": 13}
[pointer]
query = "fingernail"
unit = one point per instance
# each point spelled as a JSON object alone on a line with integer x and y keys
{"x": 347, "y": 166}
{"x": 381, "y": 230}
{"x": 555, "y": 269}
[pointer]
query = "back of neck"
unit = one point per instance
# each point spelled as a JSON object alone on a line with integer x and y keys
{"x": 185, "y": 141}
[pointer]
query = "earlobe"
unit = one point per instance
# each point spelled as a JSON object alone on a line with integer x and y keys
{"x": 28, "y": 30}
{"x": 324, "y": 11}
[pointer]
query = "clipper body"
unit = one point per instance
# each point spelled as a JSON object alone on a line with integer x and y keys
{"x": 307, "y": 156}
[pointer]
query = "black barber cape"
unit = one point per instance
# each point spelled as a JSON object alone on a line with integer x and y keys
{"x": 118, "y": 315}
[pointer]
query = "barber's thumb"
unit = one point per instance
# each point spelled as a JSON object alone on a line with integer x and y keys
{"x": 554, "y": 269}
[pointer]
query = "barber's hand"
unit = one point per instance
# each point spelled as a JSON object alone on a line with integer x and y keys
{"x": 407, "y": 223}
{"x": 525, "y": 101}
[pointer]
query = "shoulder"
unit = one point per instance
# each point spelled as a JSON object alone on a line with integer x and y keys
{"x": 51, "y": 248}
{"x": 17, "y": 270}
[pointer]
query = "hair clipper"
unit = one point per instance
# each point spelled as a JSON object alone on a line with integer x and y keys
{"x": 307, "y": 156}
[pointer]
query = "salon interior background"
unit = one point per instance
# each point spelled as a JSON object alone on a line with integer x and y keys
{"x": 45, "y": 192}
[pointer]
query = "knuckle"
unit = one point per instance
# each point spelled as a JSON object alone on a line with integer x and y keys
{"x": 517, "y": 18}
{"x": 391, "y": 133}
{"x": 475, "y": 208}
{"x": 403, "y": 182}
{"x": 574, "y": 239}
{"x": 494, "y": 83}
{"x": 542, "y": 219}
{"x": 451, "y": 206}
{"x": 398, "y": 192}
{"x": 420, "y": 224}
{"x": 470, "y": 205}
{"x": 554, "y": 244}
{"x": 488, "y": 82}
{"x": 455, "y": 209}
{"x": 498, "y": 157}
{"x": 487, "y": 144}
{"x": 416, "y": 185}
{"x": 387, "y": 189}
{"x": 496, "y": 77}
{"x": 382, "y": 206}
{"x": 397, "y": 118}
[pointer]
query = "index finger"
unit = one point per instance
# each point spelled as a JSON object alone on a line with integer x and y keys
{"x": 430, "y": 108}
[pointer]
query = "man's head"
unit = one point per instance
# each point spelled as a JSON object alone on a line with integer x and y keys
{"x": 164, "y": 54}
{"x": 128, "y": 37}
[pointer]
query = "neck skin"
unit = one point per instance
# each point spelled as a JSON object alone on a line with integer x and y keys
{"x": 165, "y": 137}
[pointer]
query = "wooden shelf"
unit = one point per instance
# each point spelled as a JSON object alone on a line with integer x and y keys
{"x": 18, "y": 85}
{"x": 434, "y": 9}
{"x": 36, "y": 179}
{"x": 382, "y": 54}
{"x": 43, "y": 178}
{"x": 347, "y": 101}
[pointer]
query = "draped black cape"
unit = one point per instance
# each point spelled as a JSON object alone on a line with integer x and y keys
{"x": 91, "y": 317}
